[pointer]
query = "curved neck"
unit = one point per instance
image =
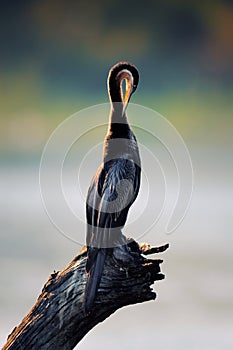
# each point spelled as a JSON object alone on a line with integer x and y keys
{"x": 119, "y": 100}
{"x": 115, "y": 88}
{"x": 123, "y": 71}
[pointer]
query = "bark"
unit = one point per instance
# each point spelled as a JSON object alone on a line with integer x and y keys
{"x": 58, "y": 320}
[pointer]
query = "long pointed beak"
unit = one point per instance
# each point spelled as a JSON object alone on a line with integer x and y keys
{"x": 126, "y": 75}
{"x": 128, "y": 92}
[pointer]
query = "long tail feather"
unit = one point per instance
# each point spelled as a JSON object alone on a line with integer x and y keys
{"x": 94, "y": 277}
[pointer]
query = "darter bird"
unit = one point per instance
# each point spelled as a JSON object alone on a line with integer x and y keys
{"x": 115, "y": 185}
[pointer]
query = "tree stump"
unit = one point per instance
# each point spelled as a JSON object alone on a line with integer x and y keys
{"x": 58, "y": 320}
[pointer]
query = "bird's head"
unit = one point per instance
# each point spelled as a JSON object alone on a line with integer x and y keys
{"x": 118, "y": 74}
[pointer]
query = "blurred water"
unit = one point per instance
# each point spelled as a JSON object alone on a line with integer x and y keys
{"x": 194, "y": 308}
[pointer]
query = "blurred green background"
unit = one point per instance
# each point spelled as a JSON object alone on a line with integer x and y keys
{"x": 55, "y": 57}
{"x": 54, "y": 61}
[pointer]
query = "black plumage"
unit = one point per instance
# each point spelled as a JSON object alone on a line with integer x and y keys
{"x": 115, "y": 185}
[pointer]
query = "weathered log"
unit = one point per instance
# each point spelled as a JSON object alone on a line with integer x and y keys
{"x": 58, "y": 320}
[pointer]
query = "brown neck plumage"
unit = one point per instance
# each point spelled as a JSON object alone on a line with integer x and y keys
{"x": 119, "y": 101}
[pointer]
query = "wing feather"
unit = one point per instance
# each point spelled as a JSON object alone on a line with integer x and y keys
{"x": 111, "y": 202}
